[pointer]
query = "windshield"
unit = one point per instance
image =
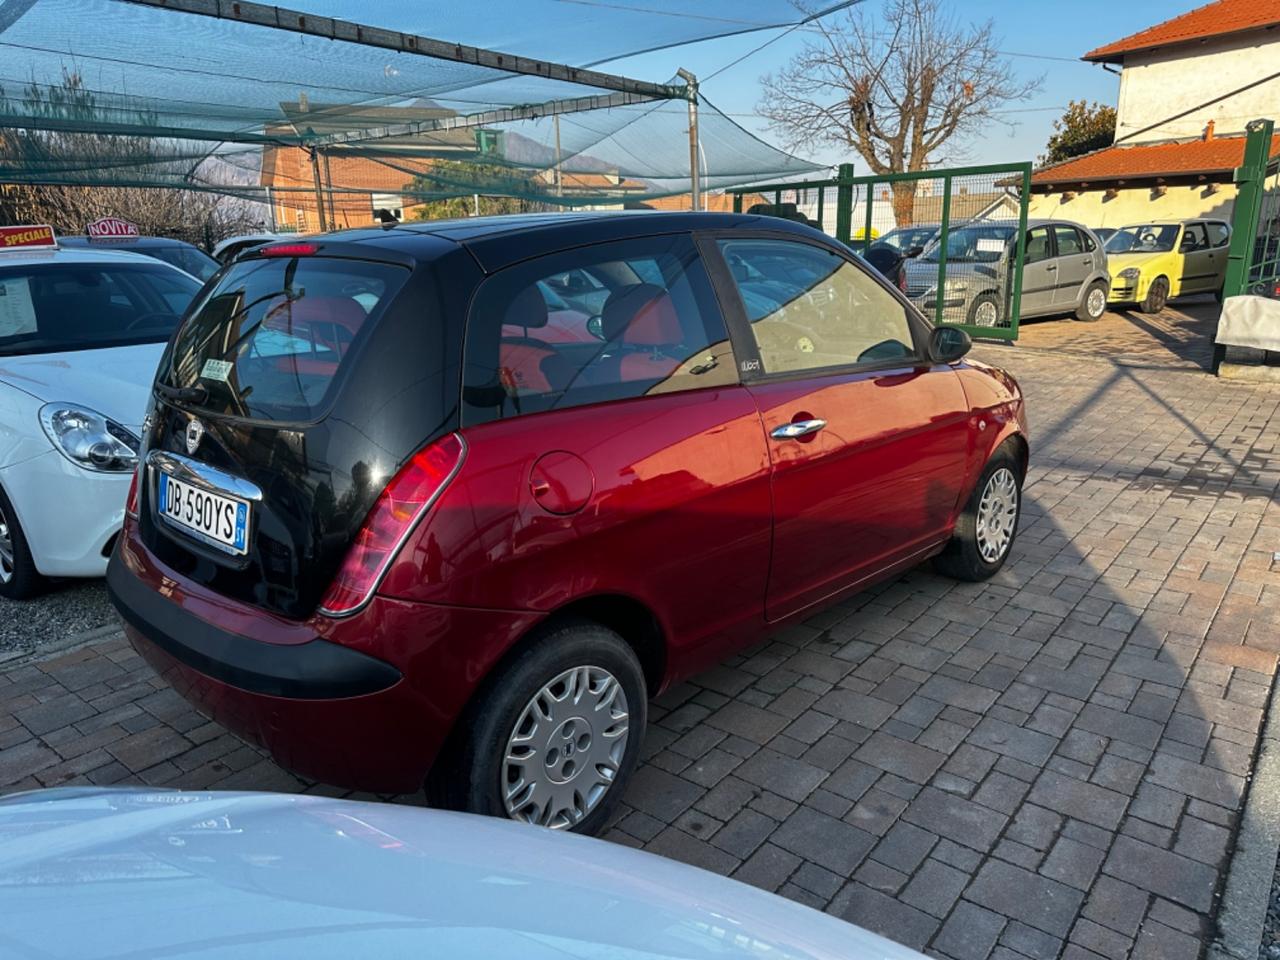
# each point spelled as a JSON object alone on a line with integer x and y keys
{"x": 975, "y": 244}
{"x": 905, "y": 238}
{"x": 52, "y": 307}
{"x": 267, "y": 342}
{"x": 200, "y": 265}
{"x": 1146, "y": 238}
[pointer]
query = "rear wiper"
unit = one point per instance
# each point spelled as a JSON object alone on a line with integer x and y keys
{"x": 197, "y": 394}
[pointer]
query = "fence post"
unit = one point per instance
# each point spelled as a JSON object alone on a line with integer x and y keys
{"x": 866, "y": 229}
{"x": 940, "y": 294}
{"x": 844, "y": 202}
{"x": 1250, "y": 176}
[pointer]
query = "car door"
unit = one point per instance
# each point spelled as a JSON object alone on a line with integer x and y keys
{"x": 1197, "y": 272}
{"x": 1074, "y": 262}
{"x": 1039, "y": 273}
{"x": 867, "y": 439}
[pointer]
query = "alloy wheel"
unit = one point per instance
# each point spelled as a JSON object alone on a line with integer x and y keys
{"x": 6, "y": 549}
{"x": 1096, "y": 302}
{"x": 566, "y": 749}
{"x": 997, "y": 515}
{"x": 986, "y": 315}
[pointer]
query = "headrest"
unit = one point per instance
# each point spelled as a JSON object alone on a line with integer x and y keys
{"x": 641, "y": 314}
{"x": 528, "y": 309}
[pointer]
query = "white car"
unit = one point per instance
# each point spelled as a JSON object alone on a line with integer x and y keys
{"x": 81, "y": 334}
{"x": 227, "y": 250}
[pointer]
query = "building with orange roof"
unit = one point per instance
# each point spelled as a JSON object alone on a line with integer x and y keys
{"x": 1188, "y": 88}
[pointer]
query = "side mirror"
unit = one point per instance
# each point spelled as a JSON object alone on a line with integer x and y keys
{"x": 947, "y": 344}
{"x": 913, "y": 252}
{"x": 595, "y": 326}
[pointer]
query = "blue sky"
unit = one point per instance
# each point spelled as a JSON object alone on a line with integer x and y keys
{"x": 1049, "y": 35}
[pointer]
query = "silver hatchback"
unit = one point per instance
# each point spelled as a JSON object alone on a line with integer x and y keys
{"x": 1064, "y": 271}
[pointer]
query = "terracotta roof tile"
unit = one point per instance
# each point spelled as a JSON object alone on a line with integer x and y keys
{"x": 1219, "y": 155}
{"x": 1211, "y": 20}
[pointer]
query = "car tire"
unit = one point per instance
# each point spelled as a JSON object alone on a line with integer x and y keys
{"x": 1157, "y": 296}
{"x": 577, "y": 668}
{"x": 19, "y": 578}
{"x": 969, "y": 554}
{"x": 985, "y": 311}
{"x": 1093, "y": 304}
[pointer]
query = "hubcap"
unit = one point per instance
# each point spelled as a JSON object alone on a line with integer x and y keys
{"x": 1097, "y": 302}
{"x": 997, "y": 515}
{"x": 986, "y": 314}
{"x": 566, "y": 749}
{"x": 6, "y": 549}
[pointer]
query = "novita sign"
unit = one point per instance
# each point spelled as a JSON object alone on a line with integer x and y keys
{"x": 111, "y": 228}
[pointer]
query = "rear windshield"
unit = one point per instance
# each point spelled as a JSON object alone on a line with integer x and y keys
{"x": 52, "y": 307}
{"x": 268, "y": 341}
{"x": 194, "y": 261}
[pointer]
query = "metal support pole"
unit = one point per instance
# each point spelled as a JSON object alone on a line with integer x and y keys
{"x": 944, "y": 230}
{"x": 844, "y": 202}
{"x": 328, "y": 183}
{"x": 315, "y": 176}
{"x": 695, "y": 187}
{"x": 1250, "y": 177}
{"x": 559, "y": 171}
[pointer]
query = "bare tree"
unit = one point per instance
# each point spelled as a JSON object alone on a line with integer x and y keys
{"x": 76, "y": 176}
{"x": 897, "y": 83}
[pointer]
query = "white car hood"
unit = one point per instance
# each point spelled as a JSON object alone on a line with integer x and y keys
{"x": 114, "y": 381}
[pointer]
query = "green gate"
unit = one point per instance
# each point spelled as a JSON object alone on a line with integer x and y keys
{"x": 1253, "y": 261}
{"x": 964, "y": 231}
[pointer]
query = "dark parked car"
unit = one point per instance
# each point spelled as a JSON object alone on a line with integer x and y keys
{"x": 179, "y": 253}
{"x": 911, "y": 241}
{"x": 390, "y": 531}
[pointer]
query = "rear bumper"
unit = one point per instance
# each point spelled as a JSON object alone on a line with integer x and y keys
{"x": 364, "y": 703}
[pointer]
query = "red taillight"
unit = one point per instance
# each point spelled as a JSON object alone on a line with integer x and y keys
{"x": 395, "y": 513}
{"x": 289, "y": 250}
{"x": 902, "y": 279}
{"x": 131, "y": 501}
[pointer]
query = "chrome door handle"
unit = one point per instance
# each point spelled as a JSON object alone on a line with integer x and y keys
{"x": 800, "y": 428}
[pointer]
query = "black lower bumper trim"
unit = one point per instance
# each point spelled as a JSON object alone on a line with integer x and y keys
{"x": 315, "y": 670}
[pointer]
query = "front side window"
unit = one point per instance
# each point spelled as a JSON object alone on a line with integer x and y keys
{"x": 1194, "y": 238}
{"x": 810, "y": 308}
{"x": 607, "y": 322}
{"x": 52, "y": 307}
{"x": 1038, "y": 247}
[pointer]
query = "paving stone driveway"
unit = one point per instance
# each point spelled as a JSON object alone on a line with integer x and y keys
{"x": 1050, "y": 764}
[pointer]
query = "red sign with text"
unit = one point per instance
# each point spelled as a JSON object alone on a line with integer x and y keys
{"x": 21, "y": 238}
{"x": 111, "y": 228}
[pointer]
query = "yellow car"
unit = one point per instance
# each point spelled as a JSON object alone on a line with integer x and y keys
{"x": 1151, "y": 262}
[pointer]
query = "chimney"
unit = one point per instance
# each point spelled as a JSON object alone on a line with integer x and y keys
{"x": 1208, "y": 130}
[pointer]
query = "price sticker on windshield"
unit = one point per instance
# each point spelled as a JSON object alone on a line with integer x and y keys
{"x": 218, "y": 370}
{"x": 990, "y": 245}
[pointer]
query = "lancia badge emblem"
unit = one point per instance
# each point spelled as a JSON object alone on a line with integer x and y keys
{"x": 195, "y": 433}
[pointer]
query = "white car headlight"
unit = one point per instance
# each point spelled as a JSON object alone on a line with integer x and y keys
{"x": 88, "y": 439}
{"x": 1129, "y": 273}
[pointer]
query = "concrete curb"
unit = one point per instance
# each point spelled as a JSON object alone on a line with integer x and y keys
{"x": 1242, "y": 914}
{"x": 56, "y": 647}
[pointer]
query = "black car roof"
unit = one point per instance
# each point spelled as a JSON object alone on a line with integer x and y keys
{"x": 497, "y": 242}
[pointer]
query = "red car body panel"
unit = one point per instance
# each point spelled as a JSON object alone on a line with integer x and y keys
{"x": 679, "y": 519}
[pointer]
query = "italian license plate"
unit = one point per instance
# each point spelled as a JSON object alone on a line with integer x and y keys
{"x": 218, "y": 520}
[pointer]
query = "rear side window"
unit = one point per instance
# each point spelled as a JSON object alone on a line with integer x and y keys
{"x": 1068, "y": 241}
{"x": 605, "y": 322}
{"x": 269, "y": 340}
{"x": 1219, "y": 234}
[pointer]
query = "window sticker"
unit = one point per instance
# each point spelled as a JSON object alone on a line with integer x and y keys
{"x": 215, "y": 370}
{"x": 990, "y": 244}
{"x": 17, "y": 312}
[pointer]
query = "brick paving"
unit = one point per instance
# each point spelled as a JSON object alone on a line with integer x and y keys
{"x": 1047, "y": 765}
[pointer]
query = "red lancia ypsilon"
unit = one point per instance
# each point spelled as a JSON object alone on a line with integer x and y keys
{"x": 388, "y": 529}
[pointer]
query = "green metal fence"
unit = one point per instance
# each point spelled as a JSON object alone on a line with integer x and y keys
{"x": 1253, "y": 260}
{"x": 963, "y": 231}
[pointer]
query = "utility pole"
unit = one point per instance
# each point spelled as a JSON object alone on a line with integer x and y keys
{"x": 315, "y": 176}
{"x": 691, "y": 86}
{"x": 328, "y": 182}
